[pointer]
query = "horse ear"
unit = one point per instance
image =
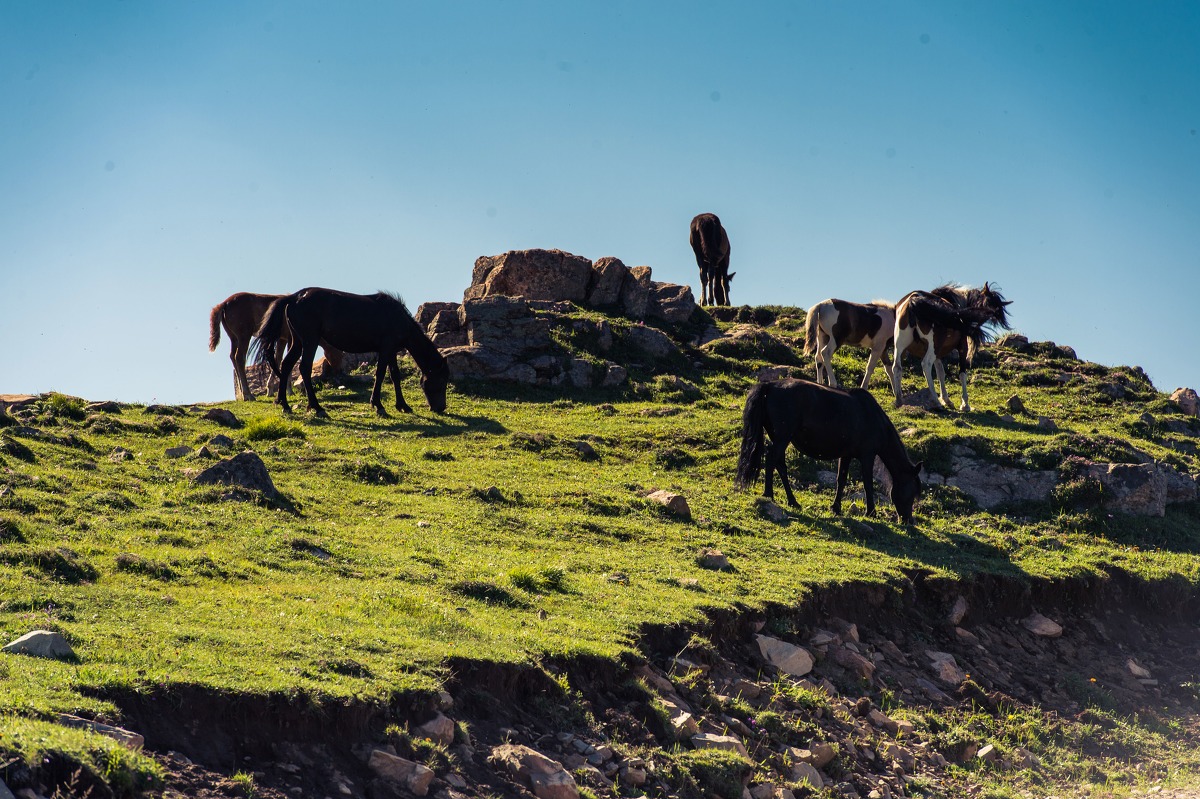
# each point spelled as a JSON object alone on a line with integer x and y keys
{"x": 731, "y": 274}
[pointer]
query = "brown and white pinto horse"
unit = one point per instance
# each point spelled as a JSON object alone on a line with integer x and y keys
{"x": 241, "y": 314}
{"x": 710, "y": 243}
{"x": 833, "y": 323}
{"x": 951, "y": 318}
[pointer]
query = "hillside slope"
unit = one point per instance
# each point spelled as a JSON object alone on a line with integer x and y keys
{"x": 508, "y": 551}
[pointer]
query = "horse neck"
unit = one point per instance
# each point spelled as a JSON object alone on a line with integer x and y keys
{"x": 892, "y": 451}
{"x": 424, "y": 352}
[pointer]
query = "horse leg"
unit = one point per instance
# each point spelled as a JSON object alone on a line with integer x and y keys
{"x": 777, "y": 459}
{"x": 843, "y": 472}
{"x": 927, "y": 368}
{"x": 868, "y": 482}
{"x": 903, "y": 340}
{"x": 237, "y": 354}
{"x": 826, "y": 354}
{"x": 962, "y": 376}
{"x": 307, "y": 356}
{"x": 394, "y": 371}
{"x": 376, "y": 390}
{"x": 941, "y": 376}
{"x": 285, "y": 368}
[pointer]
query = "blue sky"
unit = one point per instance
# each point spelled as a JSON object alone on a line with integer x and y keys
{"x": 157, "y": 157}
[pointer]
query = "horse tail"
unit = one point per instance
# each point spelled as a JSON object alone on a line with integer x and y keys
{"x": 810, "y": 329}
{"x": 214, "y": 326}
{"x": 271, "y": 330}
{"x": 753, "y": 422}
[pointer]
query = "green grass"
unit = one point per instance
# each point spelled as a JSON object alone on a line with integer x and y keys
{"x": 483, "y": 534}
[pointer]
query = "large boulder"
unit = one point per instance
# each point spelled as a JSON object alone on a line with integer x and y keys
{"x": 671, "y": 302}
{"x": 604, "y": 284}
{"x": 545, "y": 777}
{"x": 635, "y": 293}
{"x": 1187, "y": 400}
{"x": 1143, "y": 489}
{"x": 532, "y": 274}
{"x": 990, "y": 484}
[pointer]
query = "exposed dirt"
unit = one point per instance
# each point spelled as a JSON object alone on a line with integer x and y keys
{"x": 290, "y": 746}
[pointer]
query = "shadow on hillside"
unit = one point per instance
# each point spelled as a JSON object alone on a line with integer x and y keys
{"x": 962, "y": 554}
{"x": 443, "y": 426}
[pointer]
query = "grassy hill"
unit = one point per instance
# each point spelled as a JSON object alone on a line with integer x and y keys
{"x": 515, "y": 529}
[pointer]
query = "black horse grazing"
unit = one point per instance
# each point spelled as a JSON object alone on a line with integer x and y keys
{"x": 711, "y": 245}
{"x": 376, "y": 323}
{"x": 824, "y": 422}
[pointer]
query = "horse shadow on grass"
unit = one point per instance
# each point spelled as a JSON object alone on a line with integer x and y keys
{"x": 426, "y": 426}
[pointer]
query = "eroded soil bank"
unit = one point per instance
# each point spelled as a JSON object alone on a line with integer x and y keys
{"x": 924, "y": 688}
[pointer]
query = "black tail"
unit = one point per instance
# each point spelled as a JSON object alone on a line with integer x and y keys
{"x": 270, "y": 331}
{"x": 753, "y": 420}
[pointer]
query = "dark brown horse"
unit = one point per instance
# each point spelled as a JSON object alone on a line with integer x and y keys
{"x": 710, "y": 243}
{"x": 950, "y": 319}
{"x": 241, "y": 315}
{"x": 376, "y": 323}
{"x": 824, "y": 422}
{"x": 831, "y": 324}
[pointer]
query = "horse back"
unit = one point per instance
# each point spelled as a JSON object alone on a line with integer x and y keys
{"x": 350, "y": 322}
{"x": 823, "y": 422}
{"x": 709, "y": 240}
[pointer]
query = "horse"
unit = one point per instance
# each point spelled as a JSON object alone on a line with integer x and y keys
{"x": 378, "y": 323}
{"x": 824, "y": 422}
{"x": 832, "y": 323}
{"x": 951, "y": 318}
{"x": 241, "y": 314}
{"x": 710, "y": 243}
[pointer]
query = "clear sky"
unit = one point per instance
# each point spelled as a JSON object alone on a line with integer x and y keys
{"x": 156, "y": 157}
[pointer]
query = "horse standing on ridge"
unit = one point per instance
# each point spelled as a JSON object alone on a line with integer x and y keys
{"x": 241, "y": 314}
{"x": 933, "y": 324}
{"x": 824, "y": 422}
{"x": 376, "y": 323}
{"x": 710, "y": 243}
{"x": 832, "y": 323}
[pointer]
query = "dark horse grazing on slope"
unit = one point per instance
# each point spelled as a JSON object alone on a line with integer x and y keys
{"x": 241, "y": 315}
{"x": 711, "y": 245}
{"x": 376, "y": 323}
{"x": 933, "y": 324}
{"x": 824, "y": 422}
{"x": 832, "y": 323}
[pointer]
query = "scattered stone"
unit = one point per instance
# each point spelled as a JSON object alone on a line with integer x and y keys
{"x": 818, "y": 755}
{"x": 223, "y": 417}
{"x": 922, "y": 399}
{"x": 806, "y": 773}
{"x": 882, "y": 721}
{"x": 651, "y": 341}
{"x": 130, "y": 740}
{"x": 1015, "y": 405}
{"x": 106, "y": 406}
{"x": 675, "y": 503}
{"x": 945, "y": 667}
{"x": 772, "y": 512}
{"x": 1136, "y": 670}
{"x": 544, "y": 776}
{"x": 178, "y": 452}
{"x": 120, "y": 454}
{"x": 1038, "y": 624}
{"x": 43, "y": 644}
{"x": 988, "y": 754}
{"x": 221, "y": 440}
{"x": 585, "y": 450}
{"x": 1025, "y": 758}
{"x": 729, "y": 743}
{"x": 1046, "y": 423}
{"x": 245, "y": 470}
{"x": 788, "y": 658}
{"x": 959, "y": 611}
{"x": 439, "y": 729}
{"x": 853, "y": 662}
{"x": 713, "y": 559}
{"x": 414, "y": 777}
{"x": 990, "y": 484}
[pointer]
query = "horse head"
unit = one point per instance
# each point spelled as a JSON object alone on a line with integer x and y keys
{"x": 906, "y": 487}
{"x": 994, "y": 301}
{"x": 434, "y": 385}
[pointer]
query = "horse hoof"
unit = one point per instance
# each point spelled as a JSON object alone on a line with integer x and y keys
{"x": 404, "y": 409}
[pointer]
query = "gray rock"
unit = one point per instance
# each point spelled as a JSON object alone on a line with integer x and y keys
{"x": 414, "y": 777}
{"x": 675, "y": 503}
{"x": 807, "y": 773}
{"x": 244, "y": 470}
{"x": 1187, "y": 400}
{"x": 223, "y": 417}
{"x": 614, "y": 375}
{"x": 544, "y": 776}
{"x": 990, "y": 484}
{"x": 439, "y": 729}
{"x": 130, "y": 740}
{"x": 428, "y": 311}
{"x": 43, "y": 644}
{"x": 635, "y": 292}
{"x": 178, "y": 452}
{"x": 1039, "y": 625}
{"x": 788, "y": 658}
{"x": 651, "y": 341}
{"x": 713, "y": 559}
{"x": 729, "y": 743}
{"x": 671, "y": 302}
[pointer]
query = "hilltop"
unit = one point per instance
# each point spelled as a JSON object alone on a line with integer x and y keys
{"x": 413, "y": 594}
